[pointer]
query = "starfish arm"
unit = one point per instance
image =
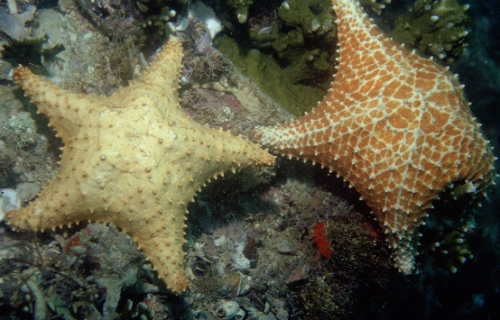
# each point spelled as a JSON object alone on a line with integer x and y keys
{"x": 163, "y": 73}
{"x": 234, "y": 153}
{"x": 166, "y": 256}
{"x": 52, "y": 209}
{"x": 161, "y": 79}
{"x": 63, "y": 107}
{"x": 158, "y": 228}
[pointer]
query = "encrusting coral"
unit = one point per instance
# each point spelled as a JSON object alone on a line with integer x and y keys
{"x": 394, "y": 125}
{"x": 295, "y": 56}
{"x": 375, "y": 6}
{"x": 241, "y": 8}
{"x": 436, "y": 28}
{"x": 133, "y": 159}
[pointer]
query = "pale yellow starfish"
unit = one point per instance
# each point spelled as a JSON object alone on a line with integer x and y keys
{"x": 133, "y": 159}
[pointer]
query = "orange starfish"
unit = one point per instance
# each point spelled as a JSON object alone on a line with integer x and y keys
{"x": 393, "y": 124}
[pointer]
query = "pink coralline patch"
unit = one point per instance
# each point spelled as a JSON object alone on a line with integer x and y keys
{"x": 230, "y": 101}
{"x": 217, "y": 109}
{"x": 217, "y": 101}
{"x": 300, "y": 273}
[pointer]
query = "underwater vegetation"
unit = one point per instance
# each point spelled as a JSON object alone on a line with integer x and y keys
{"x": 288, "y": 51}
{"x": 434, "y": 28}
{"x": 240, "y": 8}
{"x": 30, "y": 52}
{"x": 121, "y": 18}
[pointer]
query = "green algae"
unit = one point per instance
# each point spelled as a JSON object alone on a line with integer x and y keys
{"x": 288, "y": 52}
{"x": 278, "y": 83}
{"x": 153, "y": 16}
{"x": 434, "y": 28}
{"x": 375, "y": 5}
{"x": 310, "y": 16}
{"x": 241, "y": 8}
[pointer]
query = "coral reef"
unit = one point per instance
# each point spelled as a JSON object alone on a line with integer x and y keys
{"x": 251, "y": 237}
{"x": 435, "y": 28}
{"x": 90, "y": 61}
{"x": 112, "y": 18}
{"x": 450, "y": 249}
{"x": 375, "y": 5}
{"x": 27, "y": 159}
{"x": 152, "y": 16}
{"x": 291, "y": 50}
{"x": 215, "y": 94}
{"x": 240, "y": 8}
{"x": 446, "y": 234}
{"x": 307, "y": 17}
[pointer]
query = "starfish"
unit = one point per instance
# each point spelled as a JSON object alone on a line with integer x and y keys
{"x": 133, "y": 159}
{"x": 396, "y": 126}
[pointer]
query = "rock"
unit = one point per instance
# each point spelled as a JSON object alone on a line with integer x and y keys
{"x": 284, "y": 247}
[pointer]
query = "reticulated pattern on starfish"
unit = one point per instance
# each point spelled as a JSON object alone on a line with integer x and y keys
{"x": 133, "y": 159}
{"x": 395, "y": 125}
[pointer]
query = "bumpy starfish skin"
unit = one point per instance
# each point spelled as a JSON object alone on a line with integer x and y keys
{"x": 396, "y": 126}
{"x": 133, "y": 159}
